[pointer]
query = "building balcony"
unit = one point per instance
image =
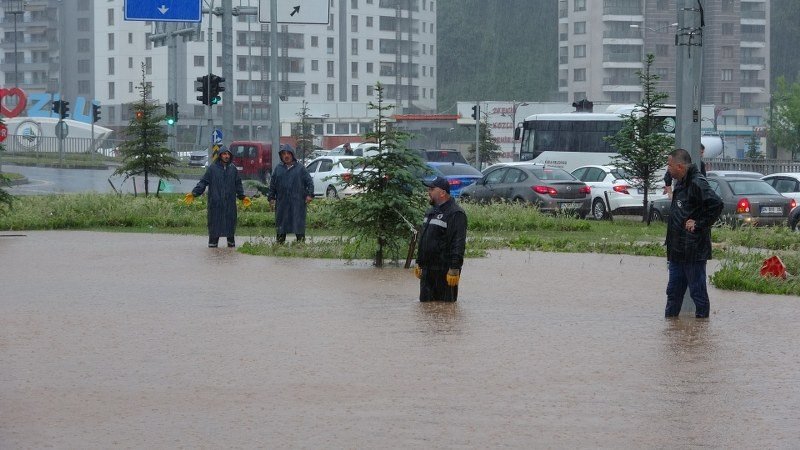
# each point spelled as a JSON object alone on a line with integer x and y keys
{"x": 752, "y": 83}
{"x": 754, "y": 15}
{"x": 620, "y": 10}
{"x": 753, "y": 60}
{"x": 752, "y": 37}
{"x": 622, "y": 57}
{"x": 630, "y": 33}
{"x": 621, "y": 81}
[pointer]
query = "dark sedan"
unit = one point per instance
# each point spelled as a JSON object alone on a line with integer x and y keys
{"x": 746, "y": 200}
{"x": 549, "y": 188}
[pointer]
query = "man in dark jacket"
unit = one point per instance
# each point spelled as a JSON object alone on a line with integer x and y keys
{"x": 668, "y": 177}
{"x": 695, "y": 208}
{"x": 224, "y": 187}
{"x": 290, "y": 190}
{"x": 442, "y": 240}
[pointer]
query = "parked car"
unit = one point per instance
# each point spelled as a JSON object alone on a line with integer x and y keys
{"x": 199, "y": 158}
{"x": 328, "y": 173}
{"x": 734, "y": 173}
{"x": 357, "y": 149}
{"x": 746, "y": 200}
{"x": 253, "y": 159}
{"x": 788, "y": 184}
{"x": 459, "y": 175}
{"x": 549, "y": 188}
{"x": 442, "y": 155}
{"x": 623, "y": 198}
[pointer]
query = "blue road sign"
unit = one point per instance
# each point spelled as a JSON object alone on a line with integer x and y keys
{"x": 164, "y": 10}
{"x": 216, "y": 136}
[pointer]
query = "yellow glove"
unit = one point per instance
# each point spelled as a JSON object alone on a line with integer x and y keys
{"x": 188, "y": 199}
{"x": 246, "y": 202}
{"x": 418, "y": 272}
{"x": 453, "y": 275}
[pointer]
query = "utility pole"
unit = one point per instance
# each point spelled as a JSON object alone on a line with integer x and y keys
{"x": 209, "y": 112}
{"x": 689, "y": 42}
{"x": 477, "y": 135}
{"x": 172, "y": 81}
{"x": 227, "y": 68}
{"x": 274, "y": 106}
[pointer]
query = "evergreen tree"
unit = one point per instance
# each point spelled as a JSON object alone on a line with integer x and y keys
{"x": 144, "y": 153}
{"x": 642, "y": 147}
{"x": 303, "y": 133}
{"x": 753, "y": 145}
{"x": 391, "y": 198}
{"x": 490, "y": 149}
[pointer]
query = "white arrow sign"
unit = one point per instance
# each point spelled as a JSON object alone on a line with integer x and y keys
{"x": 163, "y": 9}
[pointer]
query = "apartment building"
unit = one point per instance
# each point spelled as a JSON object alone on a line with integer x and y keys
{"x": 85, "y": 49}
{"x": 602, "y": 43}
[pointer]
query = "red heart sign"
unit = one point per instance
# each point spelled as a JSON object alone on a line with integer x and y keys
{"x": 21, "y": 103}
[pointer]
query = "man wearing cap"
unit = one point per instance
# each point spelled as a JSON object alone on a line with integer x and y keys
{"x": 442, "y": 240}
{"x": 224, "y": 187}
{"x": 290, "y": 190}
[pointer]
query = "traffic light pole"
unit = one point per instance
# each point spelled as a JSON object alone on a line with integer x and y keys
{"x": 274, "y": 105}
{"x": 172, "y": 85}
{"x": 209, "y": 116}
{"x": 477, "y": 135}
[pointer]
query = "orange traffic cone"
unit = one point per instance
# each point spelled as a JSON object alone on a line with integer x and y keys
{"x": 773, "y": 267}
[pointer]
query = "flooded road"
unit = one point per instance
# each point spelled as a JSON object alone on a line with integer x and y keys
{"x": 155, "y": 341}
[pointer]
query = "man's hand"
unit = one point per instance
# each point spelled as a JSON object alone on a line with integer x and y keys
{"x": 308, "y": 199}
{"x": 453, "y": 276}
{"x": 418, "y": 272}
{"x": 188, "y": 199}
{"x": 690, "y": 225}
{"x": 246, "y": 202}
{"x": 272, "y": 205}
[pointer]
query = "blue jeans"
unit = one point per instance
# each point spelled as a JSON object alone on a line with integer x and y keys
{"x": 683, "y": 275}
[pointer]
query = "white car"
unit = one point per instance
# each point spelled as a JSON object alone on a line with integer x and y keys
{"x": 788, "y": 184}
{"x": 327, "y": 173}
{"x": 622, "y": 196}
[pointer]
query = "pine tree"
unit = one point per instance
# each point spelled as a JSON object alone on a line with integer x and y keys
{"x": 391, "y": 198}
{"x": 303, "y": 133}
{"x": 144, "y": 153}
{"x": 642, "y": 147}
{"x": 490, "y": 149}
{"x": 753, "y": 146}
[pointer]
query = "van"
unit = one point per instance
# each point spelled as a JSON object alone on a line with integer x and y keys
{"x": 253, "y": 159}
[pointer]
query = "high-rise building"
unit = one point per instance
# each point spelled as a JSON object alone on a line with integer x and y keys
{"x": 602, "y": 43}
{"x": 85, "y": 49}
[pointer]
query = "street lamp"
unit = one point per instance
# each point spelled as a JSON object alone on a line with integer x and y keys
{"x": 513, "y": 115}
{"x": 15, "y": 7}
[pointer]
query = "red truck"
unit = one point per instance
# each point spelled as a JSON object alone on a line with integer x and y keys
{"x": 253, "y": 159}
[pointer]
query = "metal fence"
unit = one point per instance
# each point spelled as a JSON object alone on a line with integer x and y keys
{"x": 48, "y": 146}
{"x": 765, "y": 166}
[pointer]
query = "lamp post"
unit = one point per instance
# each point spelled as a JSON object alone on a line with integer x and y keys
{"x": 513, "y": 115}
{"x": 16, "y": 8}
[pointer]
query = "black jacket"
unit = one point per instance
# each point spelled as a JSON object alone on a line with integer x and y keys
{"x": 692, "y": 198}
{"x": 443, "y": 237}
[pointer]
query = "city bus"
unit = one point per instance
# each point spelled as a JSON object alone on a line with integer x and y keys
{"x": 571, "y": 140}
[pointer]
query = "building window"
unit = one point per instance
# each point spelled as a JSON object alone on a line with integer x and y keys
{"x": 579, "y": 28}
{"x": 315, "y": 41}
{"x": 84, "y": 45}
{"x": 579, "y": 75}
{"x": 662, "y": 5}
{"x": 330, "y": 69}
{"x": 354, "y": 46}
{"x": 84, "y": 66}
{"x": 369, "y": 44}
{"x": 727, "y": 6}
{"x": 353, "y": 4}
{"x": 330, "y": 45}
{"x": 111, "y": 41}
{"x": 727, "y": 98}
{"x": 111, "y": 91}
{"x": 369, "y": 67}
{"x": 111, "y": 66}
{"x": 130, "y": 86}
{"x": 111, "y": 16}
{"x": 353, "y": 70}
{"x": 83, "y": 24}
{"x": 314, "y": 88}
{"x": 330, "y": 22}
{"x": 199, "y": 61}
{"x": 578, "y": 51}
{"x": 580, "y": 5}
{"x": 727, "y": 29}
{"x": 130, "y": 62}
{"x": 369, "y": 90}
{"x": 353, "y": 24}
{"x": 354, "y": 93}
{"x": 727, "y": 74}
{"x": 314, "y": 64}
{"x": 330, "y": 92}
{"x": 727, "y": 51}
{"x": 663, "y": 73}
{"x": 662, "y": 50}
{"x": 148, "y": 65}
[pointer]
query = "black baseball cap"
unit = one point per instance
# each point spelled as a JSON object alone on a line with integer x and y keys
{"x": 440, "y": 183}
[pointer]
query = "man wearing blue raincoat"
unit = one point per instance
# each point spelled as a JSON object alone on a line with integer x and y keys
{"x": 290, "y": 190}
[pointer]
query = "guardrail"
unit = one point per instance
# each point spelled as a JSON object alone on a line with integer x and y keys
{"x": 765, "y": 166}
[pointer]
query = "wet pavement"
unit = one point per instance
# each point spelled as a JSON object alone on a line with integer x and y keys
{"x": 154, "y": 341}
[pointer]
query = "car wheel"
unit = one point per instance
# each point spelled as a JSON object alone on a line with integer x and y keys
{"x": 599, "y": 210}
{"x": 331, "y": 192}
{"x": 655, "y": 215}
{"x": 794, "y": 220}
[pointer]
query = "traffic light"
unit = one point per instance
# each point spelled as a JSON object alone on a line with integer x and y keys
{"x": 202, "y": 88}
{"x": 476, "y": 112}
{"x": 583, "y": 106}
{"x": 61, "y": 107}
{"x": 56, "y": 108}
{"x": 172, "y": 113}
{"x": 139, "y": 114}
{"x": 216, "y": 88}
{"x": 95, "y": 112}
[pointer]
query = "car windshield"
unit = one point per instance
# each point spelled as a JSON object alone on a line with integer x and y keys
{"x": 752, "y": 187}
{"x": 458, "y": 169}
{"x": 348, "y": 163}
{"x": 551, "y": 173}
{"x": 619, "y": 174}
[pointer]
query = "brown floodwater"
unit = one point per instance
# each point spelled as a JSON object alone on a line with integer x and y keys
{"x": 153, "y": 341}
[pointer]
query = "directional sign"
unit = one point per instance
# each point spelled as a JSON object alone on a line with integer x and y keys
{"x": 216, "y": 136}
{"x": 296, "y": 11}
{"x": 164, "y": 10}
